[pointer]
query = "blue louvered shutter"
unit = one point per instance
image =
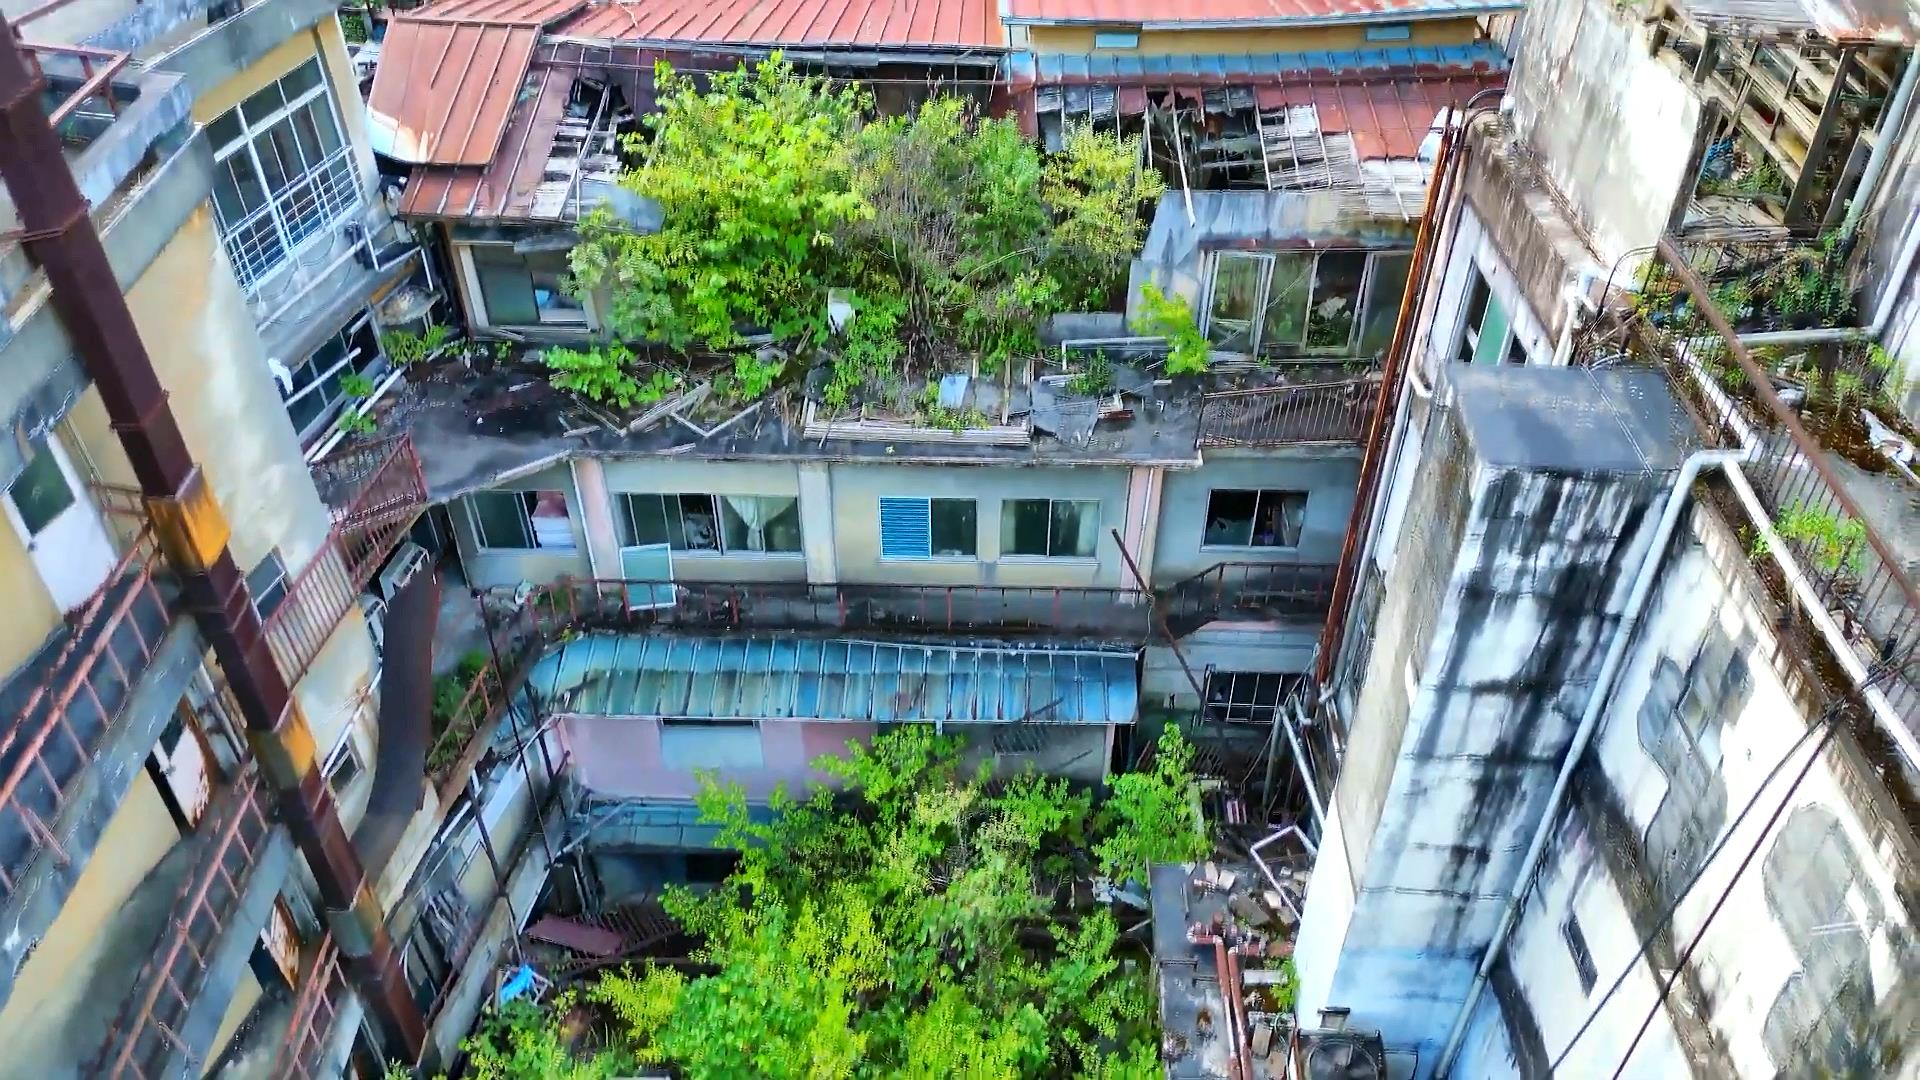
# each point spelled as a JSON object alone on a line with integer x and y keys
{"x": 906, "y": 528}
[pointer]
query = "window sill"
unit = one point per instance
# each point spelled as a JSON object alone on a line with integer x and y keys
{"x": 1249, "y": 549}
{"x": 702, "y": 554}
{"x": 573, "y": 551}
{"x": 1051, "y": 560}
{"x": 952, "y": 560}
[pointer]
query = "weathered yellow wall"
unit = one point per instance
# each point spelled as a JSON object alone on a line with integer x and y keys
{"x": 284, "y": 58}
{"x": 30, "y": 614}
{"x": 1079, "y": 39}
{"x": 54, "y": 979}
{"x": 245, "y": 996}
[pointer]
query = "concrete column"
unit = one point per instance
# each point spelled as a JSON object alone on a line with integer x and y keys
{"x": 816, "y": 523}
{"x": 1144, "y": 484}
{"x": 596, "y": 514}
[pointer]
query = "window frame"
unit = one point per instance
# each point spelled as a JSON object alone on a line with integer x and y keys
{"x": 1260, "y": 495}
{"x": 630, "y": 538}
{"x": 901, "y": 502}
{"x": 1257, "y": 332}
{"x": 542, "y": 319}
{"x": 528, "y": 498}
{"x": 1473, "y": 323}
{"x": 1283, "y": 683}
{"x": 1048, "y": 556}
{"x": 277, "y": 587}
{"x": 253, "y": 277}
{"x": 343, "y": 754}
{"x": 372, "y": 367}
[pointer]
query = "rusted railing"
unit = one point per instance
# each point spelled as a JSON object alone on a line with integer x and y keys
{"x": 97, "y": 69}
{"x": 147, "y": 1032}
{"x": 316, "y": 1010}
{"x": 1839, "y": 553}
{"x": 374, "y": 493}
{"x": 1285, "y": 415}
{"x": 56, "y": 733}
{"x": 1249, "y": 590}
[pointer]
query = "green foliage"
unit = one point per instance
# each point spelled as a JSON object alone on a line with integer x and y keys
{"x": 888, "y": 928}
{"x": 1170, "y": 317}
{"x": 1287, "y": 991}
{"x": 1833, "y": 544}
{"x": 750, "y": 378}
{"x": 601, "y": 373}
{"x": 934, "y": 414}
{"x": 523, "y": 1041}
{"x": 952, "y": 229}
{"x": 355, "y": 422}
{"x": 404, "y": 347}
{"x": 750, "y": 174}
{"x": 1093, "y": 379}
{"x": 1149, "y": 817}
{"x": 356, "y": 386}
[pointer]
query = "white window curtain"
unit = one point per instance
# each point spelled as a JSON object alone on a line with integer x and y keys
{"x": 754, "y": 512}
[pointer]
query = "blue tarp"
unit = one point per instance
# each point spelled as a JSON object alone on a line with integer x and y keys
{"x": 749, "y": 677}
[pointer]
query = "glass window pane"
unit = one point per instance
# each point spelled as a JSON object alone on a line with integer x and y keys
{"x": 1074, "y": 528}
{"x": 1477, "y": 296}
{"x": 1230, "y": 518}
{"x": 644, "y": 522}
{"x": 1236, "y": 289}
{"x": 505, "y": 288}
{"x": 501, "y": 517}
{"x": 955, "y": 527}
{"x": 273, "y": 169}
{"x": 262, "y": 105}
{"x": 303, "y": 411}
{"x": 1023, "y": 527}
{"x": 320, "y": 118}
{"x": 699, "y": 525}
{"x": 225, "y": 131}
{"x": 267, "y": 584}
{"x": 1492, "y": 345}
{"x": 40, "y": 493}
{"x": 760, "y": 522}
{"x": 301, "y": 79}
{"x": 244, "y": 191}
{"x": 1336, "y": 299}
{"x": 1278, "y": 518}
{"x": 1384, "y": 293}
{"x": 1285, "y": 323}
{"x": 301, "y": 125}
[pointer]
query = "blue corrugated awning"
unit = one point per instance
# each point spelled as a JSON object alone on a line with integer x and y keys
{"x": 747, "y": 677}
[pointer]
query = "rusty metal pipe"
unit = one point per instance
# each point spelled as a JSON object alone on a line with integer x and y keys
{"x": 86, "y": 295}
{"x": 1236, "y": 1068}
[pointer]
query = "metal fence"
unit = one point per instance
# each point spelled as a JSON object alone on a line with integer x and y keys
{"x": 1286, "y": 415}
{"x": 1823, "y": 542}
{"x": 56, "y": 733}
{"x": 316, "y": 1009}
{"x": 147, "y": 1032}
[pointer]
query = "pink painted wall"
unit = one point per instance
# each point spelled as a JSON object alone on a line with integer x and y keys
{"x": 621, "y": 757}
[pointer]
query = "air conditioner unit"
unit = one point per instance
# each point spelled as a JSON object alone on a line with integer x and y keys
{"x": 408, "y": 559}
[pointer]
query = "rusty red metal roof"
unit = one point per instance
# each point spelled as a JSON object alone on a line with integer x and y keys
{"x": 879, "y": 24}
{"x": 449, "y": 75}
{"x": 1194, "y": 14}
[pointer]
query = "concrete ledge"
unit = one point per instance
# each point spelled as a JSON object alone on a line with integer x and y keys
{"x": 236, "y": 44}
{"x": 227, "y": 959}
{"x": 95, "y": 798}
{"x": 43, "y": 379}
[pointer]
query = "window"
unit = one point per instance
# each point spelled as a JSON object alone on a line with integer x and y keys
{"x": 524, "y": 290}
{"x": 1245, "y": 697}
{"x": 689, "y": 744}
{"x": 1242, "y": 518}
{"x": 343, "y": 768}
{"x": 726, "y": 524}
{"x": 41, "y": 492}
{"x": 1486, "y": 335}
{"x": 1056, "y": 528}
{"x": 1116, "y": 39}
{"x": 281, "y": 172}
{"x": 312, "y": 392}
{"x": 1577, "y": 949}
{"x": 267, "y": 584}
{"x": 928, "y": 528}
{"x": 522, "y": 520}
{"x": 1303, "y": 303}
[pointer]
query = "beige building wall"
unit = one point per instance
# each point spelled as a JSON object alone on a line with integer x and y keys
{"x": 31, "y": 614}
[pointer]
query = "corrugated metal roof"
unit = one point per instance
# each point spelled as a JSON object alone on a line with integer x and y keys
{"x": 750, "y": 677}
{"x": 945, "y": 24}
{"x": 449, "y": 75}
{"x": 1881, "y": 21}
{"x": 1194, "y": 14}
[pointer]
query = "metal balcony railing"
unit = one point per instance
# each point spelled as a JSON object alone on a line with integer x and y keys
{"x": 1808, "y": 497}
{"x": 316, "y": 1010}
{"x": 1247, "y": 590}
{"x": 147, "y": 1032}
{"x": 55, "y": 734}
{"x": 1287, "y": 415}
{"x": 374, "y": 493}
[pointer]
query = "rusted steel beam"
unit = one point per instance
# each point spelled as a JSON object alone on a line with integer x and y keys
{"x": 191, "y": 528}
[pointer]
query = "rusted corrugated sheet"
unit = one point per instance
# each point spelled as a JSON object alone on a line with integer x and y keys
{"x": 503, "y": 188}
{"x": 1202, "y": 13}
{"x": 1387, "y": 118}
{"x": 449, "y": 76}
{"x": 941, "y": 24}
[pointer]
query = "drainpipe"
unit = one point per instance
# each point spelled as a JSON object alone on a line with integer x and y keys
{"x": 192, "y": 530}
{"x": 1690, "y": 471}
{"x": 1884, "y": 145}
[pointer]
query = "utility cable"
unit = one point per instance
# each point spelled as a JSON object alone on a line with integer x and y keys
{"x": 1686, "y": 956}
{"x": 1666, "y": 916}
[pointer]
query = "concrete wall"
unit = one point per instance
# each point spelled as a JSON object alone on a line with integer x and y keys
{"x": 1612, "y": 127}
{"x": 1282, "y": 649}
{"x": 1328, "y": 476}
{"x": 1474, "y": 251}
{"x": 1439, "y": 795}
{"x": 489, "y": 567}
{"x": 1712, "y": 701}
{"x": 623, "y": 757}
{"x": 857, "y": 490}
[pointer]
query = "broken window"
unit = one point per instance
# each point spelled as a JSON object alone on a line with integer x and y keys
{"x": 1300, "y": 303}
{"x": 1577, "y": 950}
{"x": 1056, "y": 528}
{"x": 312, "y": 391}
{"x": 267, "y": 584}
{"x": 1247, "y": 697}
{"x": 524, "y": 290}
{"x": 1238, "y": 517}
{"x": 521, "y": 520}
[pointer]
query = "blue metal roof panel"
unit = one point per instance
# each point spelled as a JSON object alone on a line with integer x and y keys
{"x": 1071, "y": 67}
